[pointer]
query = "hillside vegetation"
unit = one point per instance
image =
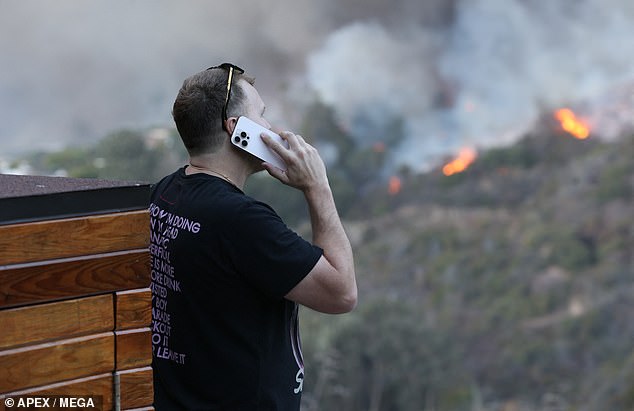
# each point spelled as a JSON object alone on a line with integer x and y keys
{"x": 507, "y": 287}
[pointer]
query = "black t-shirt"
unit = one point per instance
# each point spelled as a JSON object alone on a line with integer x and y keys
{"x": 223, "y": 336}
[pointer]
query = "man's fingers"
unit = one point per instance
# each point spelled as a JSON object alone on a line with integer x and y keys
{"x": 275, "y": 172}
{"x": 275, "y": 146}
{"x": 294, "y": 140}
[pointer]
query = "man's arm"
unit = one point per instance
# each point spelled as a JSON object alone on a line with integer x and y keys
{"x": 330, "y": 286}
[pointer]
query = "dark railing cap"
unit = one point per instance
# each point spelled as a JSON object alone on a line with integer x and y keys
{"x": 34, "y": 198}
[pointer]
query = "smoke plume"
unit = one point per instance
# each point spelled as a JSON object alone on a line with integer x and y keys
{"x": 480, "y": 79}
{"x": 457, "y": 73}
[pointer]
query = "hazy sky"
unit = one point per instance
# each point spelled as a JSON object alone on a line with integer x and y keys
{"x": 459, "y": 72}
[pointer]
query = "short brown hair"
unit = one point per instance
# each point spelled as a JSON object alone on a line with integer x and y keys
{"x": 197, "y": 110}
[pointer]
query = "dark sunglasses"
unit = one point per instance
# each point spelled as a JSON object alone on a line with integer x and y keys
{"x": 230, "y": 68}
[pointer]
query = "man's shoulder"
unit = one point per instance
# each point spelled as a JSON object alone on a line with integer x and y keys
{"x": 163, "y": 182}
{"x": 209, "y": 196}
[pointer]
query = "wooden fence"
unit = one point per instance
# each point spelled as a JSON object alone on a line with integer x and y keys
{"x": 75, "y": 308}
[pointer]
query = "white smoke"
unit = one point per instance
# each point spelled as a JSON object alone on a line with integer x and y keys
{"x": 72, "y": 70}
{"x": 459, "y": 72}
{"x": 484, "y": 78}
{"x": 363, "y": 67}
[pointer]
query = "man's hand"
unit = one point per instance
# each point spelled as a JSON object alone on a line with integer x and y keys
{"x": 305, "y": 168}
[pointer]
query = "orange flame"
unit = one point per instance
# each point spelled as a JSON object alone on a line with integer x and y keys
{"x": 394, "y": 186}
{"x": 570, "y": 123}
{"x": 466, "y": 156}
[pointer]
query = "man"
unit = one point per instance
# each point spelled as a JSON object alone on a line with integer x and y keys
{"x": 227, "y": 273}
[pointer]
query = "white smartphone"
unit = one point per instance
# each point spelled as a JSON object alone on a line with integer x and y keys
{"x": 246, "y": 136}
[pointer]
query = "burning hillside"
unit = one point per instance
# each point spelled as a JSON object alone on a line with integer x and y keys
{"x": 465, "y": 157}
{"x": 513, "y": 287}
{"x": 571, "y": 124}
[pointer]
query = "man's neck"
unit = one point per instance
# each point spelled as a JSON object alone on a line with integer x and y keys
{"x": 221, "y": 165}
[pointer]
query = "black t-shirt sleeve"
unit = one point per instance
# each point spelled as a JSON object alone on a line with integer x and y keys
{"x": 268, "y": 254}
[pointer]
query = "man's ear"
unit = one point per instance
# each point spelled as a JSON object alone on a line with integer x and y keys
{"x": 230, "y": 124}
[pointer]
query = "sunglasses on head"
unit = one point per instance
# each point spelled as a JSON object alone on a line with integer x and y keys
{"x": 230, "y": 68}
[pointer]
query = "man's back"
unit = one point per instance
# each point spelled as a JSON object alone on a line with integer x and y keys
{"x": 227, "y": 274}
{"x": 223, "y": 335}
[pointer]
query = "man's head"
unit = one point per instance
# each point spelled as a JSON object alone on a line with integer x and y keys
{"x": 198, "y": 108}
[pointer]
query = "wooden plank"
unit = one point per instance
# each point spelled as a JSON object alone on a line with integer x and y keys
{"x": 46, "y": 240}
{"x": 58, "y": 279}
{"x": 133, "y": 308}
{"x": 95, "y": 386}
{"x": 136, "y": 387}
{"x": 64, "y": 319}
{"x": 46, "y": 363}
{"x": 134, "y": 348}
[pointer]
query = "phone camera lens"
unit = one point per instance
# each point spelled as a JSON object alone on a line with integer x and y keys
{"x": 236, "y": 139}
{"x": 243, "y": 134}
{"x": 245, "y": 143}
